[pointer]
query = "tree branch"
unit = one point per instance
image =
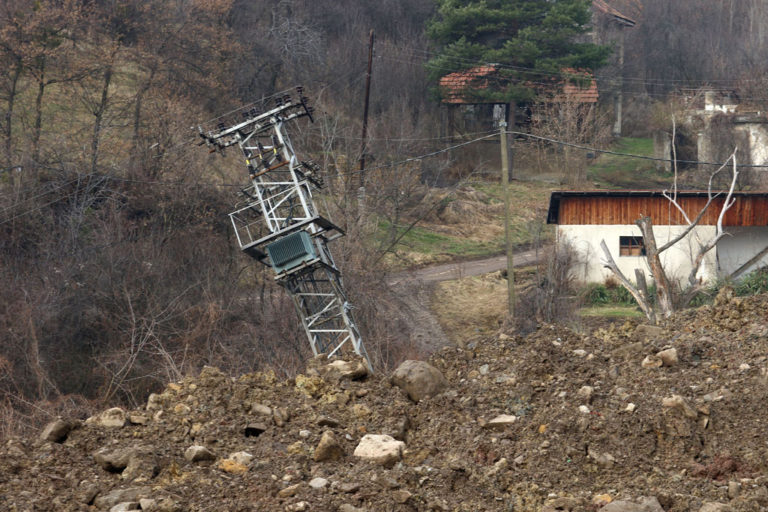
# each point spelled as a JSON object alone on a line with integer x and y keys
{"x": 644, "y": 304}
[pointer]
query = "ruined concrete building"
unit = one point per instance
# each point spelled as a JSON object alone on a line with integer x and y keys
{"x": 712, "y": 126}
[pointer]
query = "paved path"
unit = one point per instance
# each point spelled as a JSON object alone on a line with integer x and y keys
{"x": 449, "y": 271}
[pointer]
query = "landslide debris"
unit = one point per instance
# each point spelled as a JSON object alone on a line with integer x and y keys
{"x": 627, "y": 417}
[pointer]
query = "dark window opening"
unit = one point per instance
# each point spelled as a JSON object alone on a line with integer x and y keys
{"x": 631, "y": 246}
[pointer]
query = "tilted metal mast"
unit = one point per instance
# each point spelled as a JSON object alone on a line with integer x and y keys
{"x": 279, "y": 225}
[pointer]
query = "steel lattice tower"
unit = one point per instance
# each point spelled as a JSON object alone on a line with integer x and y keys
{"x": 280, "y": 226}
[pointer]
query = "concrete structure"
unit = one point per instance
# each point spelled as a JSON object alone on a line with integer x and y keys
{"x": 585, "y": 218}
{"x": 714, "y": 125}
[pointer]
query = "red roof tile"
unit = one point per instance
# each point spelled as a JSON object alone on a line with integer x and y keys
{"x": 455, "y": 86}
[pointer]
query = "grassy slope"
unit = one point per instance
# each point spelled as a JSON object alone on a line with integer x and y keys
{"x": 435, "y": 242}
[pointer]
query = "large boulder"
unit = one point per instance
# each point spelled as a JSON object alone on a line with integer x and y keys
{"x": 58, "y": 430}
{"x": 419, "y": 380}
{"x": 381, "y": 449}
{"x": 646, "y": 505}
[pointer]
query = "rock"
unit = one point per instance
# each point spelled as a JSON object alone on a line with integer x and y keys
{"x": 679, "y": 403}
{"x": 715, "y": 507}
{"x": 142, "y": 466}
{"x": 198, "y": 453}
{"x": 484, "y": 369}
{"x": 167, "y": 505}
{"x": 352, "y": 370}
{"x": 254, "y": 429}
{"x": 261, "y": 409}
{"x": 652, "y": 362}
{"x": 318, "y": 483}
{"x": 645, "y": 505}
{"x": 327, "y": 421}
{"x": 586, "y": 392}
{"x": 583, "y": 409}
{"x": 182, "y": 409}
{"x": 401, "y": 496}
{"x": 243, "y": 458}
{"x": 348, "y": 487}
{"x": 112, "y": 498}
{"x": 328, "y": 448}
{"x": 381, "y": 449}
{"x": 346, "y": 507}
{"x": 289, "y": 491}
{"x": 232, "y": 467}
{"x": 113, "y": 418}
{"x": 668, "y": 357}
{"x": 58, "y": 430}
{"x": 304, "y": 433}
{"x": 603, "y": 459}
{"x": 154, "y": 402}
{"x": 301, "y": 506}
{"x": 564, "y": 504}
{"x": 125, "y": 506}
{"x": 297, "y": 448}
{"x": 734, "y": 490}
{"x": 138, "y": 419}
{"x": 361, "y": 410}
{"x": 280, "y": 416}
{"x": 501, "y": 422}
{"x": 630, "y": 407}
{"x": 312, "y": 386}
{"x": 402, "y": 428}
{"x": 115, "y": 460}
{"x": 418, "y": 379}
{"x": 88, "y": 493}
{"x": 147, "y": 504}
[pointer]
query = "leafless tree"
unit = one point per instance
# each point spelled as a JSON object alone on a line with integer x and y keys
{"x": 668, "y": 297}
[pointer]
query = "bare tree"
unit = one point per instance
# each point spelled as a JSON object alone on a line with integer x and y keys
{"x": 668, "y": 297}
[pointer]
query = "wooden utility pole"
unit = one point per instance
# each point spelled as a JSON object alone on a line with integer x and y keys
{"x": 504, "y": 141}
{"x": 364, "y": 141}
{"x": 365, "y": 111}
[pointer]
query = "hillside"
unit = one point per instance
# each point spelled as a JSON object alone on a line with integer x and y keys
{"x": 553, "y": 421}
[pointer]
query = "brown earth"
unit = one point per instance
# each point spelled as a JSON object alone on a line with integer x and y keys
{"x": 693, "y": 437}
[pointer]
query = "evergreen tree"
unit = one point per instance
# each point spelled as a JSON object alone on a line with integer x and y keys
{"x": 529, "y": 41}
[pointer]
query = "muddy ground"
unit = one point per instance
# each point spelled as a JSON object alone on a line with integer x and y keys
{"x": 592, "y": 421}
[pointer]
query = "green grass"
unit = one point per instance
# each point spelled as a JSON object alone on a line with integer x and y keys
{"x": 424, "y": 241}
{"x": 615, "y": 171}
{"x": 612, "y": 312}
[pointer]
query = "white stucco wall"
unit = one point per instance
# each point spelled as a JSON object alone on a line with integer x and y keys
{"x": 739, "y": 246}
{"x": 677, "y": 260}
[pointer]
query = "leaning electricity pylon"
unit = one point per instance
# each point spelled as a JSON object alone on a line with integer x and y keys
{"x": 279, "y": 225}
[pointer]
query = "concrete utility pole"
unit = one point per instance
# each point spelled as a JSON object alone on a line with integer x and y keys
{"x": 504, "y": 141}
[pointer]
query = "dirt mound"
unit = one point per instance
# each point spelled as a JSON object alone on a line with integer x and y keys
{"x": 553, "y": 421}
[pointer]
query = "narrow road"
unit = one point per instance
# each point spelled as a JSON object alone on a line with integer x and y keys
{"x": 449, "y": 271}
{"x": 415, "y": 288}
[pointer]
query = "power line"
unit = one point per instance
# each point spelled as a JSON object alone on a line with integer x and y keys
{"x": 418, "y": 52}
{"x": 417, "y": 158}
{"x": 630, "y": 155}
{"x": 390, "y": 165}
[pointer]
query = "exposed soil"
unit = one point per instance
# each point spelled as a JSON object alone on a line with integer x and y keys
{"x": 593, "y": 424}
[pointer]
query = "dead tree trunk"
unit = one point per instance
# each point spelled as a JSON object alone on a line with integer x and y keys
{"x": 664, "y": 294}
{"x": 668, "y": 297}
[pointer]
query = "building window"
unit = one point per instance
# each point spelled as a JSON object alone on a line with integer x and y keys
{"x": 631, "y": 246}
